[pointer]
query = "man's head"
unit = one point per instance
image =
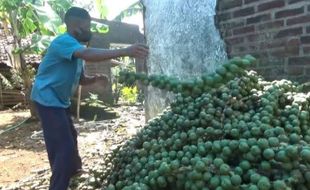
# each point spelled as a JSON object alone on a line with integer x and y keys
{"x": 78, "y": 23}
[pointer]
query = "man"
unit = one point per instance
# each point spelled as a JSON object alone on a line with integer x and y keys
{"x": 57, "y": 78}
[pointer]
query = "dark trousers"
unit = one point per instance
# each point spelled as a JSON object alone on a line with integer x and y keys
{"x": 61, "y": 144}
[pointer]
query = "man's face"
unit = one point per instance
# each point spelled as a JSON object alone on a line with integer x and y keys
{"x": 83, "y": 32}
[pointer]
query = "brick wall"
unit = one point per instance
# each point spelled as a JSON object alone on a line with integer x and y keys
{"x": 277, "y": 32}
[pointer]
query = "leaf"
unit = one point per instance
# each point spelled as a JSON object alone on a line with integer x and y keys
{"x": 130, "y": 11}
{"x": 17, "y": 50}
{"x": 60, "y": 6}
{"x": 40, "y": 43}
{"x": 29, "y": 25}
{"x": 130, "y": 94}
{"x": 62, "y": 29}
{"x": 102, "y": 8}
{"x": 48, "y": 17}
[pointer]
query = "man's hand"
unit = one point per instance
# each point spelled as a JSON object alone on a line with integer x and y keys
{"x": 137, "y": 51}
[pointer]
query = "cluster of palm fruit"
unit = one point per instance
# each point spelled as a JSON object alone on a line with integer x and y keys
{"x": 236, "y": 132}
{"x": 195, "y": 87}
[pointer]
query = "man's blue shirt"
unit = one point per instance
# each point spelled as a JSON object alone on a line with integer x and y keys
{"x": 59, "y": 73}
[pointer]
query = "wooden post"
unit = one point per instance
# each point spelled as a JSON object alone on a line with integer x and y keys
{"x": 78, "y": 107}
{"x": 1, "y": 99}
{"x": 78, "y": 103}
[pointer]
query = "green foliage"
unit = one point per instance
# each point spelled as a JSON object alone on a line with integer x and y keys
{"x": 129, "y": 94}
{"x": 102, "y": 8}
{"x": 60, "y": 6}
{"x": 40, "y": 21}
{"x": 93, "y": 100}
{"x": 36, "y": 21}
{"x": 130, "y": 11}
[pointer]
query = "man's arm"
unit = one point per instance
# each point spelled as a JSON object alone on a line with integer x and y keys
{"x": 95, "y": 55}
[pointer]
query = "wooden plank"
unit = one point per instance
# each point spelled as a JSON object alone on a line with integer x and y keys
{"x": 12, "y": 97}
{"x": 13, "y": 100}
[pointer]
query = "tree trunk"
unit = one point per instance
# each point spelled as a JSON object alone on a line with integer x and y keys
{"x": 184, "y": 46}
{"x": 1, "y": 99}
{"x": 20, "y": 66}
{"x": 31, "y": 105}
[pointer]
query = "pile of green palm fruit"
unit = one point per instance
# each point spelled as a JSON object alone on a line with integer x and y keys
{"x": 224, "y": 131}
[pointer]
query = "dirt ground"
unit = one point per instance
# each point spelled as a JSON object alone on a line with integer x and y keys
{"x": 10, "y": 117}
{"x": 19, "y": 157}
{"x": 23, "y": 159}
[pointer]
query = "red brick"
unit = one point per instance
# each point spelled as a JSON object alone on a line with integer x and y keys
{"x": 250, "y": 1}
{"x": 307, "y": 72}
{"x": 234, "y": 41}
{"x": 272, "y": 44}
{"x": 291, "y": 50}
{"x": 260, "y": 55}
{"x": 239, "y": 49}
{"x": 256, "y": 37}
{"x": 232, "y": 24}
{"x": 244, "y": 12}
{"x": 229, "y": 4}
{"x": 308, "y": 29}
{"x": 259, "y": 18}
{"x": 243, "y": 30}
{"x": 306, "y": 49}
{"x": 271, "y": 5}
{"x": 298, "y": 20}
{"x": 252, "y": 48}
{"x": 293, "y": 42}
{"x": 305, "y": 39}
{"x": 305, "y": 60}
{"x": 289, "y": 32}
{"x": 295, "y": 1}
{"x": 289, "y": 12}
{"x": 271, "y": 25}
{"x": 229, "y": 33}
{"x": 285, "y": 51}
{"x": 271, "y": 60}
{"x": 299, "y": 78}
{"x": 226, "y": 33}
{"x": 223, "y": 17}
{"x": 273, "y": 71}
{"x": 295, "y": 70}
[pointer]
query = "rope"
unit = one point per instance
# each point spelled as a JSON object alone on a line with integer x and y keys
{"x": 14, "y": 126}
